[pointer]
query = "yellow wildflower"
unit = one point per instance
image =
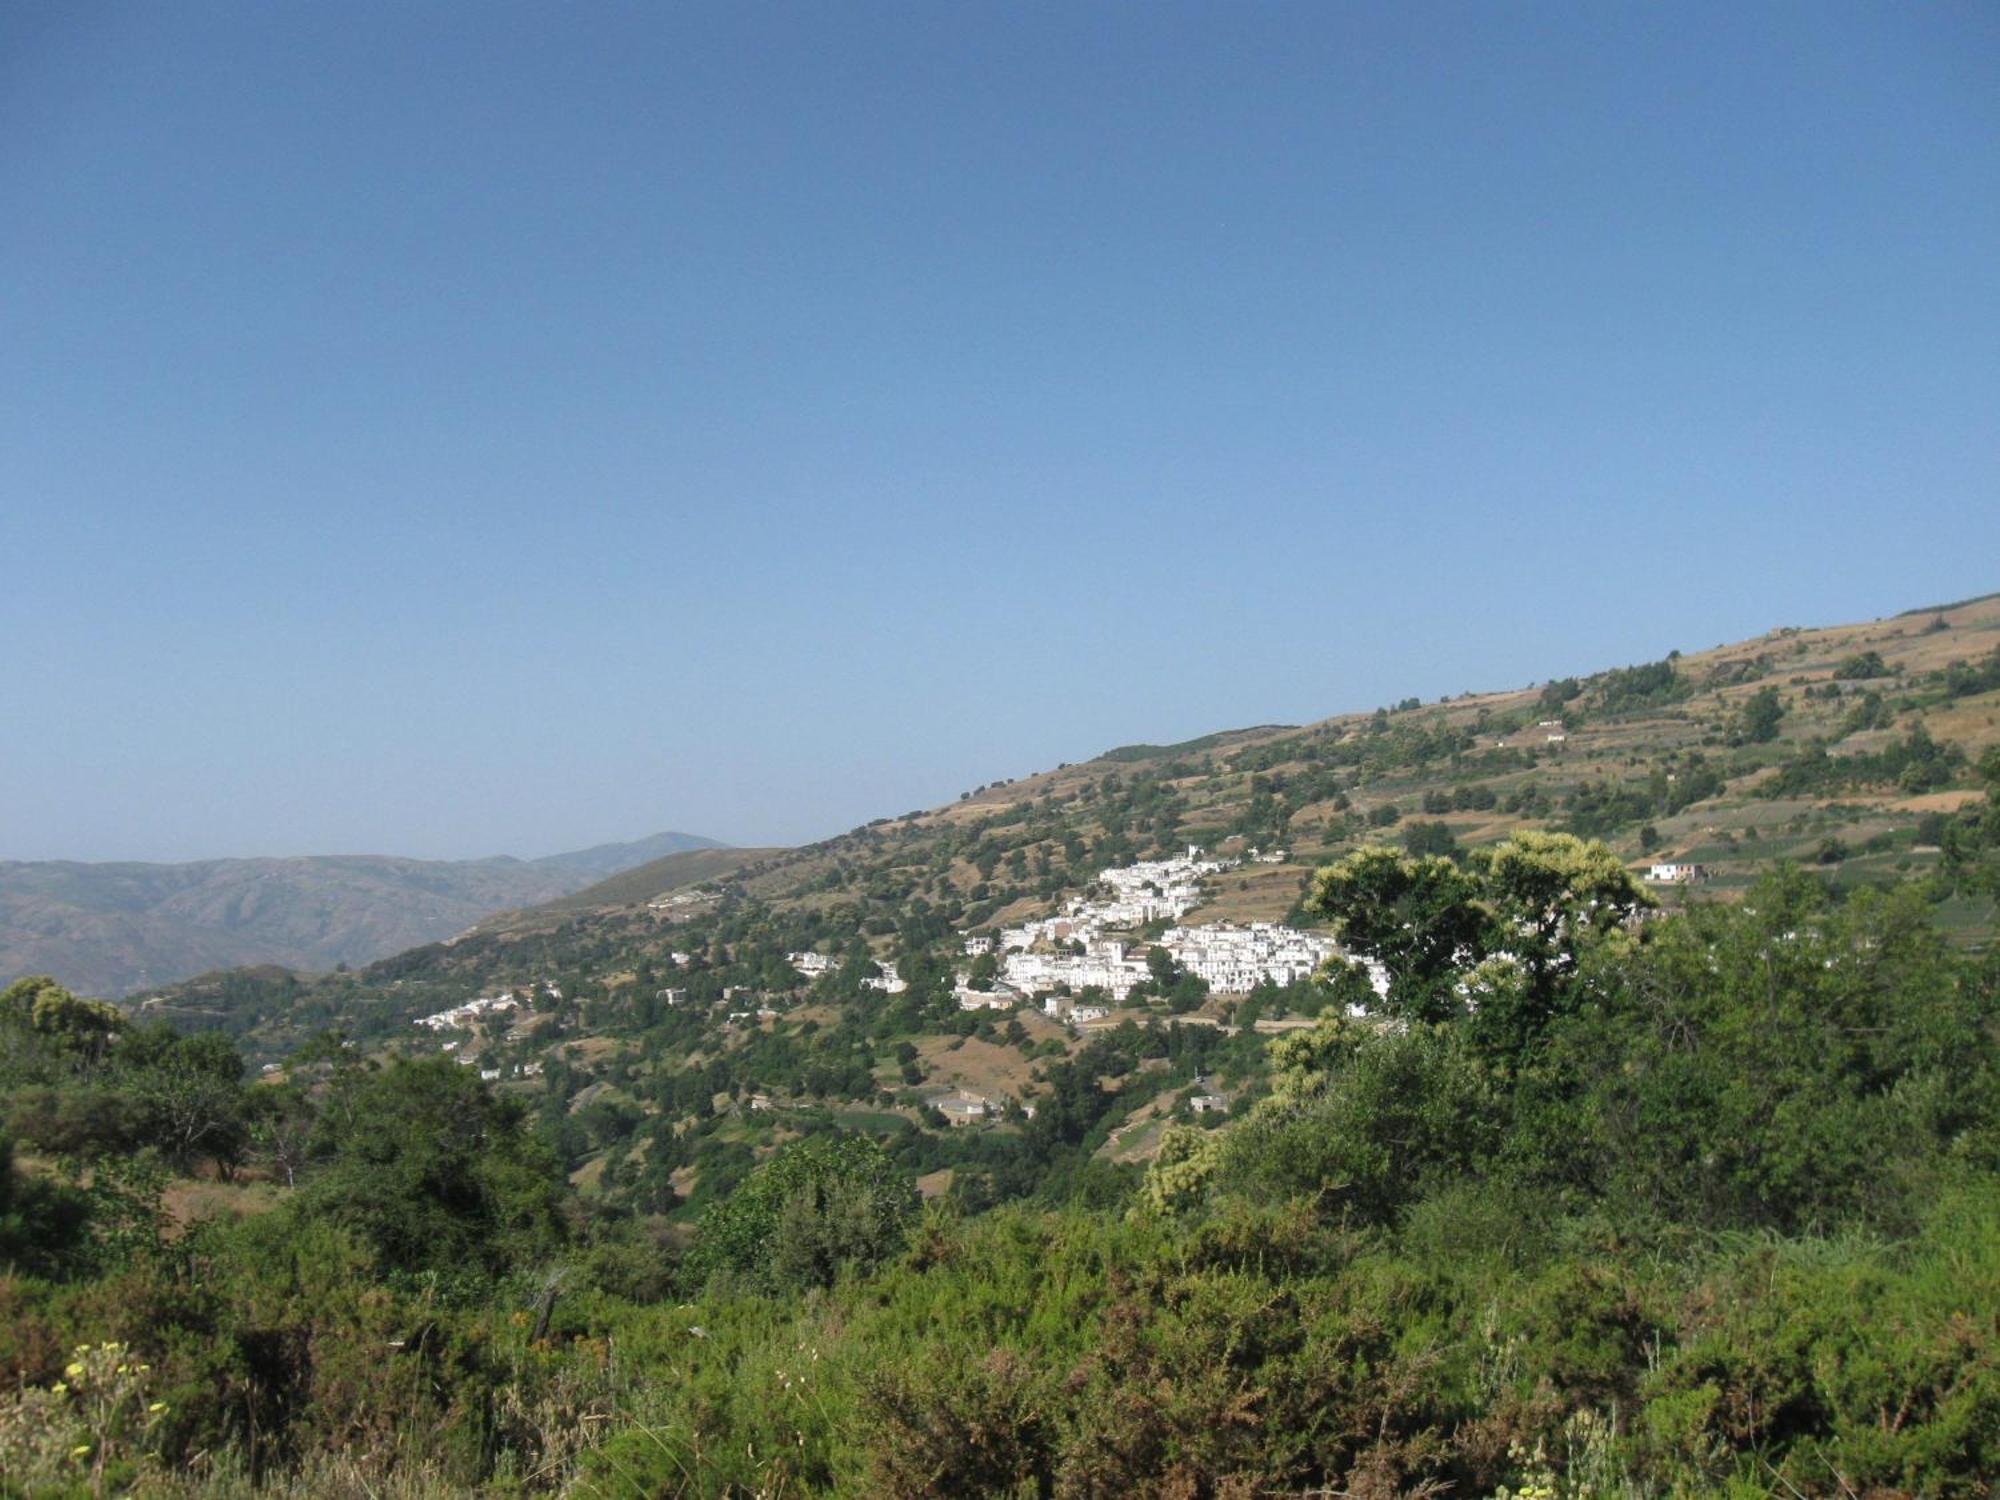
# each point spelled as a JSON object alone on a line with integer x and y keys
{"x": 75, "y": 1372}
{"x": 60, "y": 1388}
{"x": 157, "y": 1407}
{"x": 79, "y": 1450}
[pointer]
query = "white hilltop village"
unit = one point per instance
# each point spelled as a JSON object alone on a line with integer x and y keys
{"x": 1075, "y": 951}
{"x": 1064, "y": 963}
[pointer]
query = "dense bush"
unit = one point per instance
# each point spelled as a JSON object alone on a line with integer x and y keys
{"x": 1599, "y": 1205}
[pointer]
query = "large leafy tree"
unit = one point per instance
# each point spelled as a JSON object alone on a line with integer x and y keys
{"x": 1788, "y": 1063}
{"x": 1499, "y": 937}
{"x": 43, "y": 1223}
{"x": 433, "y": 1170}
{"x": 816, "y": 1207}
{"x": 1552, "y": 899}
{"x": 1972, "y": 842}
{"x": 46, "y": 1032}
{"x": 1782, "y": 1062}
{"x": 1417, "y": 915}
{"x": 187, "y": 1094}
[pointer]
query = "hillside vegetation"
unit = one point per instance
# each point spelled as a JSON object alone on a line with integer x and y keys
{"x": 1849, "y": 747}
{"x": 655, "y": 1005}
{"x": 1597, "y": 1187}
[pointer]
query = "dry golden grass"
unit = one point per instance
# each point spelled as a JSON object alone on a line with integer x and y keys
{"x": 187, "y": 1202}
{"x": 1138, "y": 1139}
{"x": 980, "y": 1067}
{"x": 1938, "y": 801}
{"x": 1254, "y": 893}
{"x": 935, "y": 1184}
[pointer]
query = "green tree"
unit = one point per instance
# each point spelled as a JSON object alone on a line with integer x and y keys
{"x": 818, "y": 1206}
{"x": 426, "y": 1165}
{"x": 1418, "y": 917}
{"x": 43, "y": 1224}
{"x": 1553, "y": 896}
{"x": 1499, "y": 939}
{"x": 1782, "y": 1062}
{"x": 1757, "y": 721}
{"x": 188, "y": 1094}
{"x": 45, "y": 1031}
{"x": 1861, "y": 666}
{"x": 1431, "y": 838}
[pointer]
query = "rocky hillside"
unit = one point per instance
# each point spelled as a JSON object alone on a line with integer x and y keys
{"x": 112, "y": 929}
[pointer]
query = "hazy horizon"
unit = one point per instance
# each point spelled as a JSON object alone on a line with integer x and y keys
{"x": 290, "y": 854}
{"x": 578, "y": 845}
{"x": 444, "y": 431}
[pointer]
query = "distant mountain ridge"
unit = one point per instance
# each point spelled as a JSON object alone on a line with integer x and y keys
{"x": 116, "y": 928}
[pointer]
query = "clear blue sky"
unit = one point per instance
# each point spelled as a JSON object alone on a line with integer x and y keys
{"x": 455, "y": 429}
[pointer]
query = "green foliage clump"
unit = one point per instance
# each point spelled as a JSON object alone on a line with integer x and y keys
{"x": 1915, "y": 764}
{"x": 1758, "y": 719}
{"x": 432, "y": 1171}
{"x": 817, "y": 1208}
{"x": 1627, "y": 689}
{"x": 1595, "y": 1201}
{"x": 1862, "y": 666}
{"x": 1963, "y": 679}
{"x": 1491, "y": 940}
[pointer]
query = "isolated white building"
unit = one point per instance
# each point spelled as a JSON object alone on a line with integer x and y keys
{"x": 1672, "y": 873}
{"x": 889, "y": 982}
{"x": 962, "y": 1108}
{"x": 994, "y": 999}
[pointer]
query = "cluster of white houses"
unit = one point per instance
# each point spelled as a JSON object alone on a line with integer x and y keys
{"x": 1152, "y": 890}
{"x": 1235, "y": 960}
{"x": 1104, "y": 964}
{"x": 1072, "y": 951}
{"x": 461, "y": 1017}
{"x": 1229, "y": 959}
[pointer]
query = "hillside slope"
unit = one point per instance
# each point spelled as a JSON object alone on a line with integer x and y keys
{"x": 111, "y": 929}
{"x": 647, "y": 882}
{"x": 1842, "y": 747}
{"x": 1849, "y": 749}
{"x": 712, "y": 1059}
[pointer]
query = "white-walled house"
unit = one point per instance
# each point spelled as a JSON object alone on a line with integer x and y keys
{"x": 993, "y": 999}
{"x": 961, "y": 1108}
{"x": 889, "y": 982}
{"x": 1675, "y": 873}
